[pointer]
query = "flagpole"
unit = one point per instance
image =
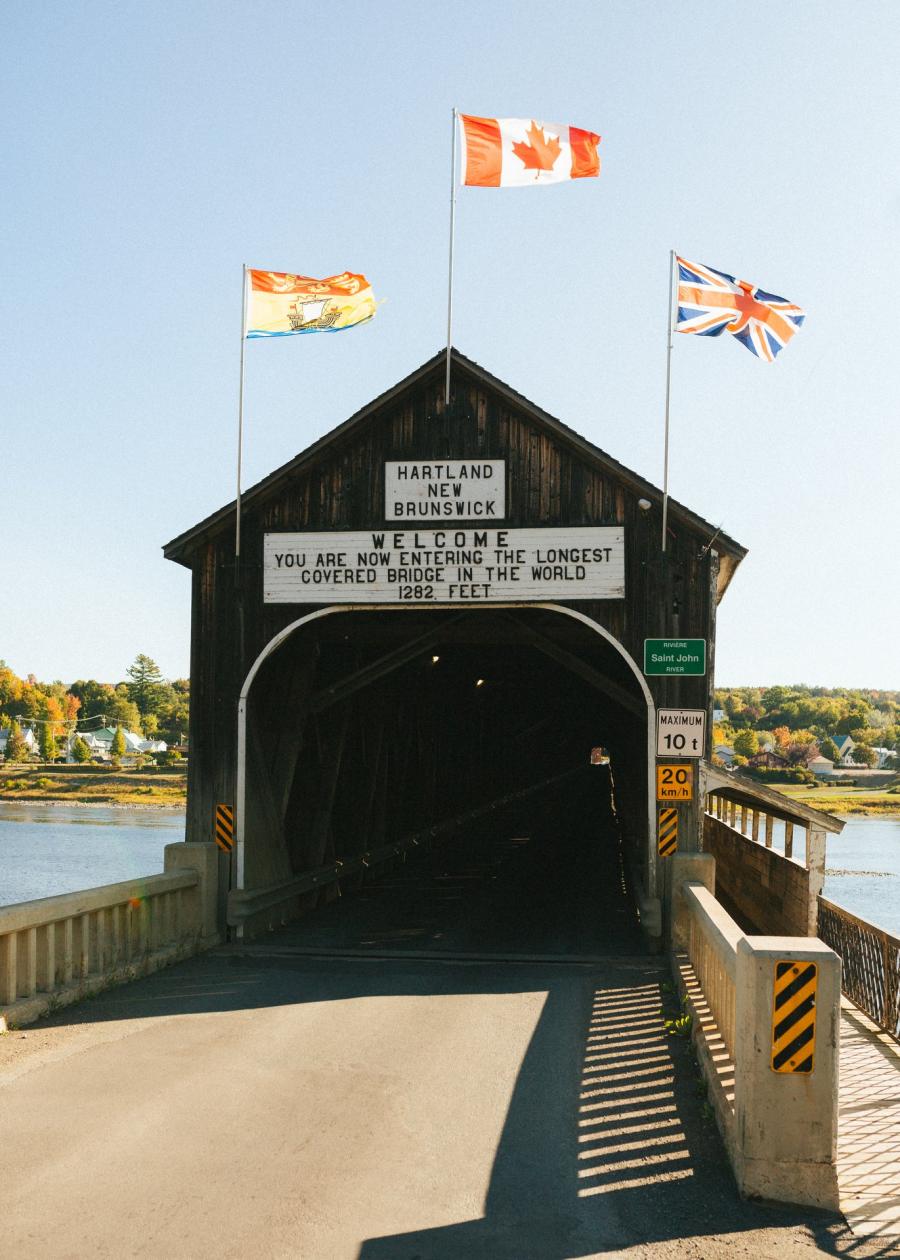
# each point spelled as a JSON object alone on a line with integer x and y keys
{"x": 240, "y": 432}
{"x": 669, "y": 322}
{"x": 450, "y": 276}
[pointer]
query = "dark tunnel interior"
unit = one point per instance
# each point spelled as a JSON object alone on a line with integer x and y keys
{"x": 460, "y": 730}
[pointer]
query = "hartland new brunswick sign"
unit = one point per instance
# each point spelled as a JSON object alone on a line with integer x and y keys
{"x": 448, "y": 565}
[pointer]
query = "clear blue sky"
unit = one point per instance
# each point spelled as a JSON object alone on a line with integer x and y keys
{"x": 151, "y": 149}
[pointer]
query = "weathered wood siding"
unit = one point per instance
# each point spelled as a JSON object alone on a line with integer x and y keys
{"x": 549, "y": 482}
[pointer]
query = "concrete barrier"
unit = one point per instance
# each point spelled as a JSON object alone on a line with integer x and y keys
{"x": 60, "y": 949}
{"x": 777, "y": 1111}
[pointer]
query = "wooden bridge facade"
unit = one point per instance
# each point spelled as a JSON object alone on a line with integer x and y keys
{"x": 341, "y": 720}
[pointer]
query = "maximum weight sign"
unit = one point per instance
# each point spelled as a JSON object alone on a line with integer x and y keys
{"x": 680, "y": 732}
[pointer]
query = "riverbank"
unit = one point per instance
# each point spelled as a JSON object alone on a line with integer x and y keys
{"x": 856, "y": 802}
{"x": 129, "y": 789}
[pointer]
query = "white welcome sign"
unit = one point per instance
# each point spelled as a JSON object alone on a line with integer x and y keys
{"x": 446, "y": 566}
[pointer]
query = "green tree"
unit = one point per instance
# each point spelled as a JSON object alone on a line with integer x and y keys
{"x": 828, "y": 748}
{"x": 80, "y": 751}
{"x": 16, "y": 748}
{"x": 118, "y": 743}
{"x": 123, "y": 712}
{"x": 94, "y": 697}
{"x": 172, "y": 716}
{"x": 48, "y": 743}
{"x": 746, "y": 743}
{"x": 864, "y": 756}
{"x": 146, "y": 685}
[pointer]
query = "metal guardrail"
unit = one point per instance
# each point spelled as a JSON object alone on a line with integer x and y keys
{"x": 244, "y": 904}
{"x": 870, "y": 959}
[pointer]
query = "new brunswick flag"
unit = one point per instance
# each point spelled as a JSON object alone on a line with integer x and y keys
{"x": 280, "y": 304}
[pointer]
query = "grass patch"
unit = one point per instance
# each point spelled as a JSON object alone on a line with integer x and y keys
{"x": 837, "y": 800}
{"x": 28, "y": 783}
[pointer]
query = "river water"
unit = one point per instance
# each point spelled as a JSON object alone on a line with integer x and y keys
{"x": 48, "y": 849}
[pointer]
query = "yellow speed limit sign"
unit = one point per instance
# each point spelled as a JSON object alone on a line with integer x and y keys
{"x": 675, "y": 782}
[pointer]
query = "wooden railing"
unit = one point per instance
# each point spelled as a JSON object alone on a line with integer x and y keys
{"x": 756, "y": 821}
{"x": 770, "y": 892}
{"x": 870, "y": 959}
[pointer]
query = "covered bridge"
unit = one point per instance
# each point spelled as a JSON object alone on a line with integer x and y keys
{"x": 438, "y": 616}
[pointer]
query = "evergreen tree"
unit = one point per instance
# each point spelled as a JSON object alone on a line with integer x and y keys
{"x": 48, "y": 743}
{"x": 118, "y": 743}
{"x": 146, "y": 686}
{"x": 80, "y": 751}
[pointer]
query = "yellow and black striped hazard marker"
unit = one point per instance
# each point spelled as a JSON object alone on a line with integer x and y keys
{"x": 794, "y": 1016}
{"x": 668, "y": 832}
{"x": 225, "y": 827}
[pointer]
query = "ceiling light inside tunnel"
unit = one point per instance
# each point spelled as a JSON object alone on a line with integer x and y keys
{"x": 435, "y": 659}
{"x": 479, "y": 682}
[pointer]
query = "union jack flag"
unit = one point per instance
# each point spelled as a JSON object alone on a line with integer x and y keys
{"x": 711, "y": 302}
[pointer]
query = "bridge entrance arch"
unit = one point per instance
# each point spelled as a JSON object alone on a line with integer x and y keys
{"x": 499, "y": 703}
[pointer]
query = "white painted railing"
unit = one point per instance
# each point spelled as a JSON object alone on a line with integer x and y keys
{"x": 712, "y": 941}
{"x": 58, "y": 949}
{"x": 778, "y": 1116}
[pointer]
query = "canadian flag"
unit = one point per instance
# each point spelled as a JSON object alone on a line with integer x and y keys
{"x": 521, "y": 152}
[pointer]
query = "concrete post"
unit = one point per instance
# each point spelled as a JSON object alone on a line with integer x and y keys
{"x": 686, "y": 868}
{"x": 785, "y": 1124}
{"x": 204, "y": 859}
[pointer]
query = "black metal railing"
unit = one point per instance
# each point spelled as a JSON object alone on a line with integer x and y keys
{"x": 870, "y": 959}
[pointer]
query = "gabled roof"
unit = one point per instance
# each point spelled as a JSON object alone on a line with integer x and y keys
{"x": 731, "y": 553}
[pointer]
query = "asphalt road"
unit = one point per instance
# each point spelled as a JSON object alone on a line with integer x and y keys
{"x": 284, "y": 1101}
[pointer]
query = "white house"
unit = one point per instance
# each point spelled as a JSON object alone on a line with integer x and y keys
{"x": 887, "y": 759}
{"x": 100, "y": 743}
{"x": 845, "y": 746}
{"x": 725, "y": 753}
{"x": 820, "y": 765}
